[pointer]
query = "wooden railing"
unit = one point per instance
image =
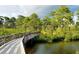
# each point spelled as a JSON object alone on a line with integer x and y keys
{"x": 6, "y": 38}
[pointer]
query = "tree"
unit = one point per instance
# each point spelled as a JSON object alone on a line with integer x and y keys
{"x": 10, "y": 22}
{"x": 25, "y": 23}
{"x": 1, "y": 21}
{"x": 19, "y": 21}
{"x": 62, "y": 12}
{"x": 34, "y": 23}
{"x": 77, "y": 17}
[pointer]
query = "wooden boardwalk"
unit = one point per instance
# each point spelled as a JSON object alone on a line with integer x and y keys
{"x": 16, "y": 46}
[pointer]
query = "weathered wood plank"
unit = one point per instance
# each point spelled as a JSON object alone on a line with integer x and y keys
{"x": 16, "y": 46}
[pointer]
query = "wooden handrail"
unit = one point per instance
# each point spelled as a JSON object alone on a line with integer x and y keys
{"x": 14, "y": 36}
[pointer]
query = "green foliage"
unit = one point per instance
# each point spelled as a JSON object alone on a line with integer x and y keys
{"x": 57, "y": 27}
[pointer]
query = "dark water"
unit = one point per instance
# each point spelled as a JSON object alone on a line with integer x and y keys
{"x": 55, "y": 48}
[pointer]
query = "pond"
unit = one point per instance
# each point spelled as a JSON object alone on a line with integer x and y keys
{"x": 54, "y": 48}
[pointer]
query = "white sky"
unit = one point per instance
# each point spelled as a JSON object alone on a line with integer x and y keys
{"x": 14, "y": 10}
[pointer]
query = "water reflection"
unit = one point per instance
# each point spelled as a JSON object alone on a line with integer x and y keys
{"x": 56, "y": 48}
